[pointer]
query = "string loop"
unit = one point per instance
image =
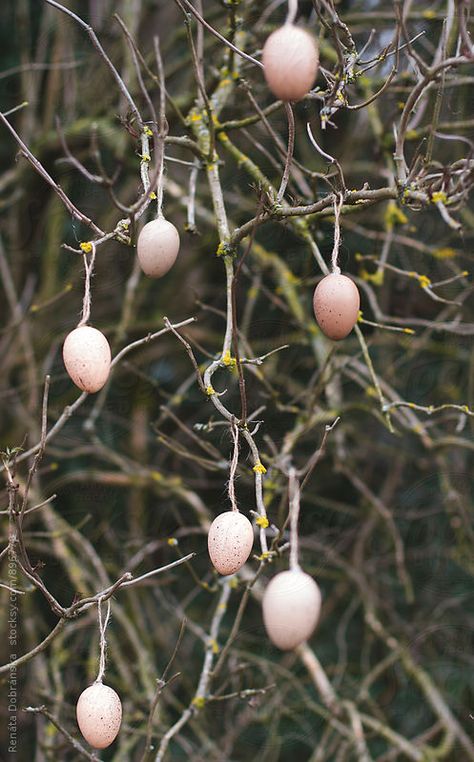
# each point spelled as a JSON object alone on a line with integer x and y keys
{"x": 102, "y": 641}
{"x": 338, "y": 203}
{"x": 89, "y": 263}
{"x": 233, "y": 466}
{"x": 292, "y": 11}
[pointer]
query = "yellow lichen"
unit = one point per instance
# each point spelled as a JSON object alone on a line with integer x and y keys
{"x": 376, "y": 278}
{"x": 394, "y": 216}
{"x": 445, "y": 252}
{"x": 439, "y": 197}
{"x": 424, "y": 281}
{"x": 228, "y": 360}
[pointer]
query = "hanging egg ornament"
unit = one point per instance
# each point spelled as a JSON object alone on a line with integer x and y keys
{"x": 291, "y": 606}
{"x": 99, "y": 715}
{"x": 336, "y": 304}
{"x": 290, "y": 62}
{"x": 157, "y": 247}
{"x": 230, "y": 541}
{"x": 87, "y": 357}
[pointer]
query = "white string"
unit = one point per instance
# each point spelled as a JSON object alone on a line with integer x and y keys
{"x": 103, "y": 643}
{"x": 86, "y": 302}
{"x": 338, "y": 202}
{"x": 159, "y": 190}
{"x": 233, "y": 467}
{"x": 294, "y": 508}
{"x": 292, "y": 11}
{"x": 163, "y": 128}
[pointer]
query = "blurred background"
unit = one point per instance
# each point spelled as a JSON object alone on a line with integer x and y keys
{"x": 140, "y": 470}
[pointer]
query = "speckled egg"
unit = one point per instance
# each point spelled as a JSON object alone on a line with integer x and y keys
{"x": 157, "y": 247}
{"x": 99, "y": 714}
{"x": 87, "y": 357}
{"x": 336, "y": 305}
{"x": 291, "y": 606}
{"x": 230, "y": 541}
{"x": 290, "y": 62}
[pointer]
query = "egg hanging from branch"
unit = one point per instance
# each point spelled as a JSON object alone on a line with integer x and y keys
{"x": 99, "y": 715}
{"x": 230, "y": 541}
{"x": 291, "y": 606}
{"x": 290, "y": 62}
{"x": 87, "y": 358}
{"x": 336, "y": 304}
{"x": 157, "y": 247}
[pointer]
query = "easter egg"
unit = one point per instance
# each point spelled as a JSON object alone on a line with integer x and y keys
{"x": 157, "y": 247}
{"x": 336, "y": 305}
{"x": 230, "y": 541}
{"x": 291, "y": 606}
{"x": 290, "y": 62}
{"x": 87, "y": 357}
{"x": 99, "y": 714}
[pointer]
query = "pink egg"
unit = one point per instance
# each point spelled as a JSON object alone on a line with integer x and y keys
{"x": 99, "y": 714}
{"x": 290, "y": 62}
{"x": 87, "y": 357}
{"x": 336, "y": 305}
{"x": 291, "y": 606}
{"x": 157, "y": 247}
{"x": 230, "y": 541}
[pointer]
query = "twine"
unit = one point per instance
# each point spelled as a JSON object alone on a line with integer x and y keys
{"x": 233, "y": 467}
{"x": 89, "y": 269}
{"x": 103, "y": 642}
{"x": 338, "y": 202}
{"x": 294, "y": 508}
{"x": 292, "y": 11}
